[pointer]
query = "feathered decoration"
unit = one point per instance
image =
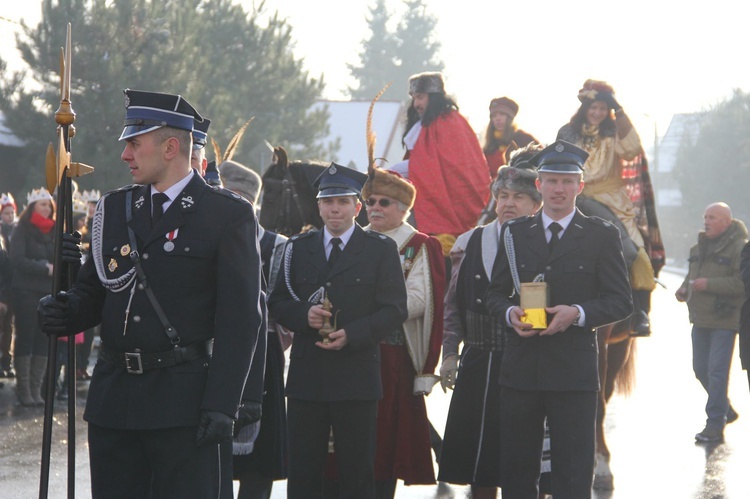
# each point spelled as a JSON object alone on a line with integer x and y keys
{"x": 370, "y": 135}
{"x": 232, "y": 146}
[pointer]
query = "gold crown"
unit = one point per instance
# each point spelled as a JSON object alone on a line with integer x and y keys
{"x": 80, "y": 207}
{"x": 7, "y": 199}
{"x": 38, "y": 195}
{"x": 91, "y": 196}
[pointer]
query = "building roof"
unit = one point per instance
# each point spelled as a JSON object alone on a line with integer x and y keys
{"x": 685, "y": 126}
{"x": 7, "y": 138}
{"x": 347, "y": 122}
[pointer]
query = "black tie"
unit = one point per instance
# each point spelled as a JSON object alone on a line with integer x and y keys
{"x": 555, "y": 229}
{"x": 157, "y": 201}
{"x": 335, "y": 251}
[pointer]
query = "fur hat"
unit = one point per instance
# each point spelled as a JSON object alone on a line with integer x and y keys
{"x": 241, "y": 179}
{"x": 391, "y": 184}
{"x": 426, "y": 83}
{"x": 591, "y": 89}
{"x": 504, "y": 105}
{"x": 519, "y": 175}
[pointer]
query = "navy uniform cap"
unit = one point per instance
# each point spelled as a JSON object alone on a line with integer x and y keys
{"x": 200, "y": 133}
{"x": 147, "y": 111}
{"x": 337, "y": 180}
{"x": 212, "y": 176}
{"x": 560, "y": 157}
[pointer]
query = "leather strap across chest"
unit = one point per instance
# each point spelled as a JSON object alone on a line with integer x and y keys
{"x": 135, "y": 257}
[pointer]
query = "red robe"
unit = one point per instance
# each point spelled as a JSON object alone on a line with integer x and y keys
{"x": 403, "y": 436}
{"x": 448, "y": 169}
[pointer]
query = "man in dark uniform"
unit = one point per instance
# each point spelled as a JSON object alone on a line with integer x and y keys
{"x": 337, "y": 385}
{"x": 198, "y": 153}
{"x": 174, "y": 279}
{"x": 552, "y": 372}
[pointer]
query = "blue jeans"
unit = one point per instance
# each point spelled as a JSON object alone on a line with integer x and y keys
{"x": 712, "y": 357}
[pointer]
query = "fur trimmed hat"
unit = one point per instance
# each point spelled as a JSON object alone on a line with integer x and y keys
{"x": 504, "y": 105}
{"x": 241, "y": 179}
{"x": 426, "y": 83}
{"x": 591, "y": 89}
{"x": 519, "y": 175}
{"x": 391, "y": 184}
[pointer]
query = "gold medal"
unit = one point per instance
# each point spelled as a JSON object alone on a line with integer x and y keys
{"x": 112, "y": 265}
{"x": 125, "y": 250}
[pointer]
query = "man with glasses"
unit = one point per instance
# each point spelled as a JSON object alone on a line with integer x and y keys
{"x": 334, "y": 383}
{"x": 409, "y": 354}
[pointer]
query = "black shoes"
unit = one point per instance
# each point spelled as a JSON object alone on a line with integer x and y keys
{"x": 641, "y": 324}
{"x": 710, "y": 435}
{"x": 732, "y": 415}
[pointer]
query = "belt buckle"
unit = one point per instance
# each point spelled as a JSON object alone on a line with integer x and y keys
{"x": 133, "y": 363}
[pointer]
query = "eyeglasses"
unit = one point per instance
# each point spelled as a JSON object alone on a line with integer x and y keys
{"x": 385, "y": 203}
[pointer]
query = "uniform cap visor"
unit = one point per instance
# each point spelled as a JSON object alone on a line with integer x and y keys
{"x": 131, "y": 131}
{"x": 331, "y": 192}
{"x": 560, "y": 168}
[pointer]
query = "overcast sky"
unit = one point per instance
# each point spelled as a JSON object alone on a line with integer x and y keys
{"x": 662, "y": 56}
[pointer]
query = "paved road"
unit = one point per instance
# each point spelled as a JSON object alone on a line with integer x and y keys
{"x": 650, "y": 433}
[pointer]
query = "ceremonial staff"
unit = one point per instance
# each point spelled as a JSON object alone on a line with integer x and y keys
{"x": 59, "y": 171}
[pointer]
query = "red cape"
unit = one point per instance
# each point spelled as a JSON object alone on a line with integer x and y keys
{"x": 448, "y": 168}
{"x": 437, "y": 271}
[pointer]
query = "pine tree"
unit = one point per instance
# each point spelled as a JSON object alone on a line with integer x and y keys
{"x": 377, "y": 58}
{"x": 716, "y": 166}
{"x": 395, "y": 56}
{"x": 224, "y": 60}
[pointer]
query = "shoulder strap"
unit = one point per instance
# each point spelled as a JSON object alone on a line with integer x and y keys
{"x": 136, "y": 259}
{"x": 510, "y": 250}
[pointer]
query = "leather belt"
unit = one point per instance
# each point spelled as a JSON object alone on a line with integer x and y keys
{"x": 137, "y": 362}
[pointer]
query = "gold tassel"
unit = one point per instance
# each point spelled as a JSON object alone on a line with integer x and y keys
{"x": 642, "y": 273}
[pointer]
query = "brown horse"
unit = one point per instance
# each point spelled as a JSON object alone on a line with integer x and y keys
{"x": 289, "y": 204}
{"x": 617, "y": 373}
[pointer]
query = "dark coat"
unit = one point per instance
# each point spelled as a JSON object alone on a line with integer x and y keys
{"x": 745, "y": 315}
{"x": 366, "y": 285}
{"x": 587, "y": 269}
{"x": 30, "y": 252}
{"x": 208, "y": 286}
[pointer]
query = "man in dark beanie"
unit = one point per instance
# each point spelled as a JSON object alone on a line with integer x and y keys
{"x": 444, "y": 161}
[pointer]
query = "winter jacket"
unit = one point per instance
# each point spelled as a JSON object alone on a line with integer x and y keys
{"x": 718, "y": 260}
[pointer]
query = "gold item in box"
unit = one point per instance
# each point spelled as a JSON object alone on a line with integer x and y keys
{"x": 534, "y": 300}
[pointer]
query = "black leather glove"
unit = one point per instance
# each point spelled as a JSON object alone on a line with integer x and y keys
{"x": 53, "y": 314}
{"x": 71, "y": 247}
{"x": 249, "y": 413}
{"x": 609, "y": 99}
{"x": 213, "y": 428}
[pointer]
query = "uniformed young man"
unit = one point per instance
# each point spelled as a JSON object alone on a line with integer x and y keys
{"x": 337, "y": 385}
{"x": 552, "y": 372}
{"x": 174, "y": 279}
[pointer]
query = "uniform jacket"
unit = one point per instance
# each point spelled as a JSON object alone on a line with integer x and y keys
{"x": 717, "y": 260}
{"x": 30, "y": 252}
{"x": 208, "y": 285}
{"x": 367, "y": 290}
{"x": 587, "y": 269}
